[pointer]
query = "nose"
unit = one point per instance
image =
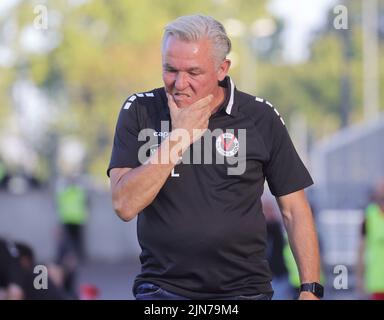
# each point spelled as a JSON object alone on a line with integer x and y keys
{"x": 181, "y": 81}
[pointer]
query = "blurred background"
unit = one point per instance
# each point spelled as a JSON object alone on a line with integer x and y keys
{"x": 66, "y": 67}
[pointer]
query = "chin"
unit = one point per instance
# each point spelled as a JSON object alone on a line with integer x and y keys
{"x": 182, "y": 103}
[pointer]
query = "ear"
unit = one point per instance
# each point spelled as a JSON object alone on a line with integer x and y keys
{"x": 223, "y": 69}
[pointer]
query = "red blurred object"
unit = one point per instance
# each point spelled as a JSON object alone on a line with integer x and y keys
{"x": 378, "y": 296}
{"x": 89, "y": 292}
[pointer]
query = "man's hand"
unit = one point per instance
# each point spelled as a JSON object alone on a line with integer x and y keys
{"x": 193, "y": 119}
{"x": 305, "y": 295}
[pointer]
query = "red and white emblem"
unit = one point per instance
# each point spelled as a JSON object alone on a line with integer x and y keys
{"x": 227, "y": 144}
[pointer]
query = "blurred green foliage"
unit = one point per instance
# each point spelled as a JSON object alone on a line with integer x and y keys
{"x": 111, "y": 49}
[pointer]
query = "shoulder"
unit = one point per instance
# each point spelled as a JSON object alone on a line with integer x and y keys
{"x": 143, "y": 105}
{"x": 152, "y": 98}
{"x": 258, "y": 108}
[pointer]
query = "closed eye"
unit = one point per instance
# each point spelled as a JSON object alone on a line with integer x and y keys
{"x": 169, "y": 68}
{"x": 195, "y": 71}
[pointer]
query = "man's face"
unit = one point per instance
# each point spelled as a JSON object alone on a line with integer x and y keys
{"x": 189, "y": 70}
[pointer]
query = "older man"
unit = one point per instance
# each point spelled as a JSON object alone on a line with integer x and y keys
{"x": 190, "y": 160}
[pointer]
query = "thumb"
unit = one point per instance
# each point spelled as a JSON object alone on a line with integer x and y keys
{"x": 171, "y": 103}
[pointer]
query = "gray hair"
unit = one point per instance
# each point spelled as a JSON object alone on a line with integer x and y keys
{"x": 196, "y": 27}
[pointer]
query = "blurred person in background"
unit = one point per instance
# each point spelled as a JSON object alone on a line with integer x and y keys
{"x": 370, "y": 269}
{"x": 11, "y": 272}
{"x": 72, "y": 205}
{"x": 17, "y": 275}
{"x": 202, "y": 230}
{"x": 54, "y": 290}
{"x": 275, "y": 248}
{"x": 4, "y": 176}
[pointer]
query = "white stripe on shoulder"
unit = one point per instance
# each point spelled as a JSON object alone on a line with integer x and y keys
{"x": 127, "y": 105}
{"x": 145, "y": 94}
{"x": 274, "y": 109}
{"x": 129, "y": 102}
{"x": 277, "y": 112}
{"x": 135, "y": 96}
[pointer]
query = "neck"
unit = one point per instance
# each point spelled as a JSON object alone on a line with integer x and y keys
{"x": 218, "y": 100}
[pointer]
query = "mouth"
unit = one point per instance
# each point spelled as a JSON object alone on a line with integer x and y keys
{"x": 180, "y": 95}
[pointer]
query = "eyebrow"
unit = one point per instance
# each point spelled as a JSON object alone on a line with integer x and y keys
{"x": 193, "y": 69}
{"x": 168, "y": 66}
